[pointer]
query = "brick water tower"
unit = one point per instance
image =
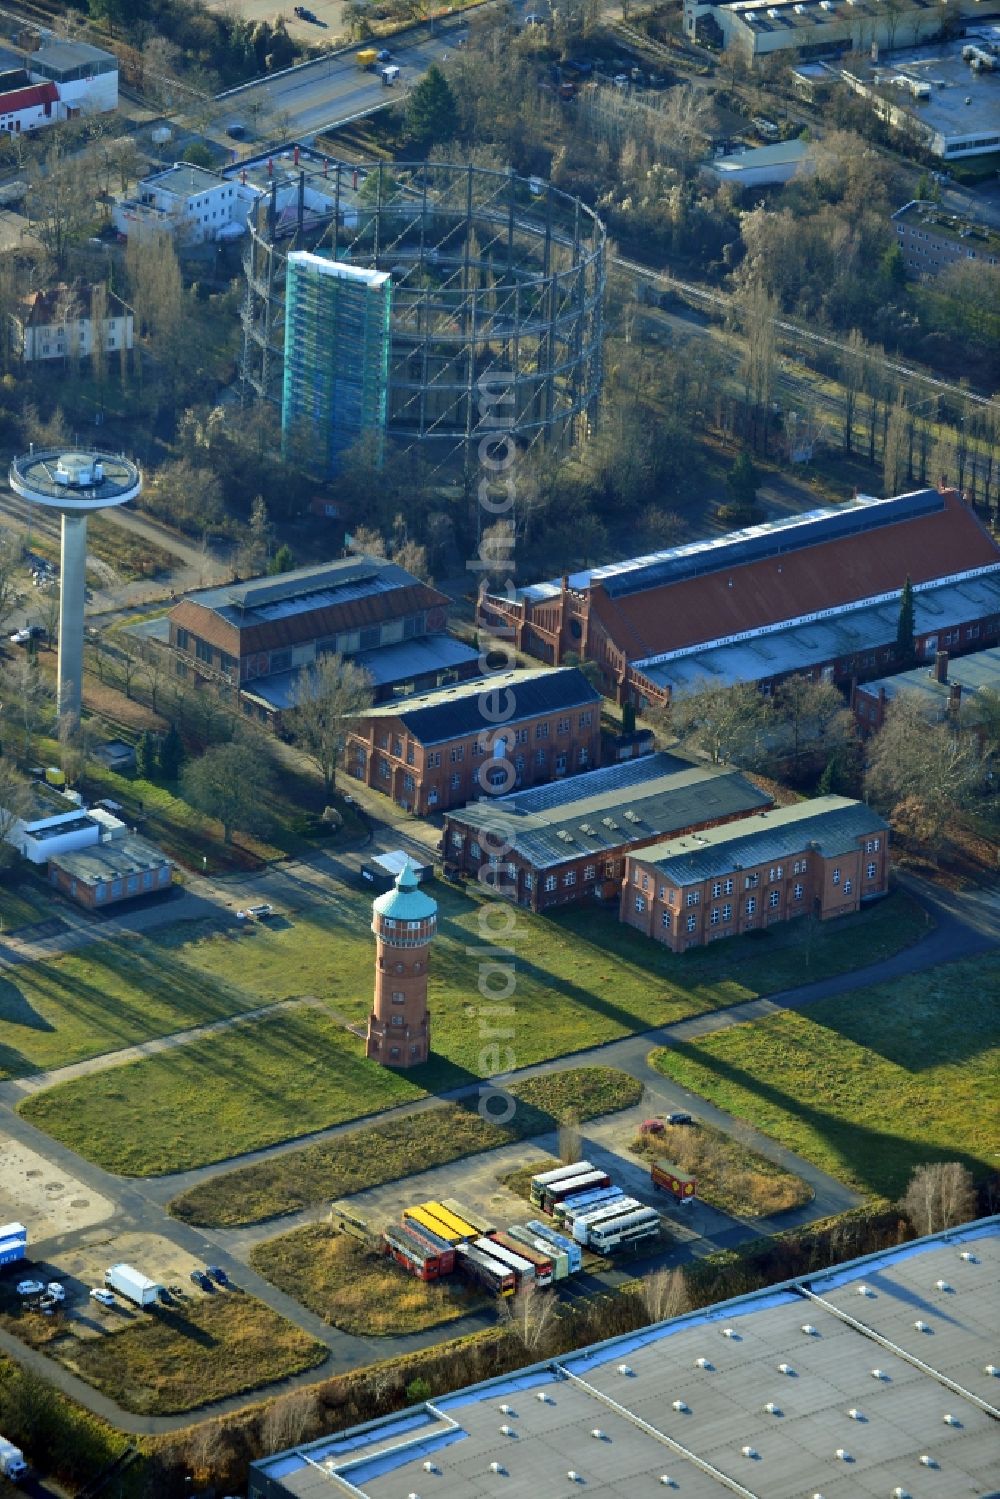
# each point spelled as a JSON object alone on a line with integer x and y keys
{"x": 404, "y": 921}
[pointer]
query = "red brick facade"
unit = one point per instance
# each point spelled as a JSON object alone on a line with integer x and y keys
{"x": 399, "y": 1027}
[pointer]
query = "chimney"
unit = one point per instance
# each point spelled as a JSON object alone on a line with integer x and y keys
{"x": 565, "y": 582}
{"x": 941, "y": 666}
{"x": 955, "y": 698}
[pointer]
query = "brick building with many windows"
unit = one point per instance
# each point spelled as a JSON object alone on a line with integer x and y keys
{"x": 260, "y": 636}
{"x": 561, "y": 844}
{"x": 822, "y": 857}
{"x": 441, "y": 749}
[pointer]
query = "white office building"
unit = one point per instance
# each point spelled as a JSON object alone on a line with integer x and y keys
{"x": 190, "y": 203}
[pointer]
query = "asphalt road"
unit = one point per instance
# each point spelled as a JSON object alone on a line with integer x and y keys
{"x": 325, "y": 93}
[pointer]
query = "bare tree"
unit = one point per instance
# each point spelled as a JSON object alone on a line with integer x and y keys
{"x": 894, "y": 456}
{"x": 29, "y": 696}
{"x": 920, "y": 772}
{"x": 530, "y": 1315}
{"x": 570, "y": 1141}
{"x": 366, "y": 542}
{"x": 758, "y": 317}
{"x": 60, "y": 197}
{"x": 665, "y": 1293}
{"x": 328, "y": 696}
{"x": 15, "y": 805}
{"x": 289, "y": 1420}
{"x": 940, "y": 1195}
{"x": 725, "y": 723}
{"x": 809, "y": 719}
{"x": 10, "y": 593}
{"x": 412, "y": 557}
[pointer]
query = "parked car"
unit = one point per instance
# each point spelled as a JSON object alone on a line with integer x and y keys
{"x": 679, "y": 1118}
{"x": 104, "y": 1297}
{"x": 201, "y": 1279}
{"x": 256, "y": 913}
{"x": 383, "y": 55}
{"x": 30, "y": 1288}
{"x": 217, "y": 1274}
{"x": 236, "y": 131}
{"x": 56, "y": 1290}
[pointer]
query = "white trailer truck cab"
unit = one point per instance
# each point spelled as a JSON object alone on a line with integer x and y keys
{"x": 12, "y": 1463}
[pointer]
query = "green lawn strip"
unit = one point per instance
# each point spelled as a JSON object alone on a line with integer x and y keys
{"x": 108, "y": 995}
{"x": 176, "y": 1360}
{"x": 357, "y": 1289}
{"x": 730, "y": 1176}
{"x": 379, "y": 1153}
{"x": 580, "y": 980}
{"x": 19, "y": 907}
{"x": 247, "y": 1087}
{"x": 867, "y": 1085}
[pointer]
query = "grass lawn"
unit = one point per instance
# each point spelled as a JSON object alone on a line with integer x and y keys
{"x": 378, "y": 1153}
{"x": 19, "y": 907}
{"x": 730, "y": 1175}
{"x": 272, "y": 1079}
{"x": 870, "y": 1084}
{"x": 176, "y": 1360}
{"x": 581, "y": 979}
{"x": 103, "y": 997}
{"x": 357, "y": 1289}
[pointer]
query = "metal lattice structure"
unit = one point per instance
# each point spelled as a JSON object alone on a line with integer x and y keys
{"x": 497, "y": 285}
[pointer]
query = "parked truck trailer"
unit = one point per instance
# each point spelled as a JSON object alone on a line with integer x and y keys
{"x": 132, "y": 1284}
{"x": 12, "y": 1464}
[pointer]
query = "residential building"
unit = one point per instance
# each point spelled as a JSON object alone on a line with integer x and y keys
{"x": 258, "y": 637}
{"x": 404, "y": 921}
{"x": 122, "y": 866}
{"x": 874, "y": 1377}
{"x": 946, "y": 690}
{"x": 58, "y": 82}
{"x": 440, "y": 749}
{"x": 820, "y": 858}
{"x": 760, "y": 166}
{"x": 931, "y": 239}
{"x": 566, "y": 842}
{"x": 59, "y": 323}
{"x": 336, "y": 375}
{"x": 808, "y": 28}
{"x": 192, "y": 204}
{"x": 631, "y": 617}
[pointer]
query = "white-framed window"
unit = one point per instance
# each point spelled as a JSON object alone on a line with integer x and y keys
{"x": 797, "y": 892}
{"x": 774, "y": 899}
{"x": 848, "y": 886}
{"x": 776, "y": 872}
{"x": 873, "y": 845}
{"x": 590, "y": 872}
{"x": 665, "y": 920}
{"x": 751, "y": 882}
{"x": 456, "y": 781}
{"x": 645, "y": 882}
{"x": 716, "y": 889}
{"x": 836, "y": 876}
{"x": 871, "y": 871}
{"x": 529, "y": 881}
{"x": 511, "y": 871}
{"x": 550, "y": 882}
{"x": 692, "y": 923}
{"x": 727, "y": 887}
{"x": 398, "y": 997}
{"x": 694, "y": 896}
{"x": 474, "y": 850}
{"x": 713, "y": 920}
{"x": 457, "y": 840}
{"x": 727, "y": 913}
{"x": 804, "y": 867}
{"x": 640, "y": 903}
{"x": 751, "y": 904}
{"x": 570, "y": 877}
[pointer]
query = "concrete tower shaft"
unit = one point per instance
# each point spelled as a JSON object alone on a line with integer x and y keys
{"x": 73, "y": 484}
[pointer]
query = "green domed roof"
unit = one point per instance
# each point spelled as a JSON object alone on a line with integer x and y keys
{"x": 406, "y": 901}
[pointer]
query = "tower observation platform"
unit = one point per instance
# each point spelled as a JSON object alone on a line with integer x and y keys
{"x": 74, "y": 483}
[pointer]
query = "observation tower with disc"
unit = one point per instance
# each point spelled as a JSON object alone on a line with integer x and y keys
{"x": 74, "y": 484}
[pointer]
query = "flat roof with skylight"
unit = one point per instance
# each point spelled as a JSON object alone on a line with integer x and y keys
{"x": 876, "y": 1379}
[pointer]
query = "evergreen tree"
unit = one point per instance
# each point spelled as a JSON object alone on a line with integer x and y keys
{"x": 171, "y": 755}
{"x": 628, "y": 718}
{"x": 146, "y": 757}
{"x": 431, "y": 112}
{"x": 283, "y": 560}
{"x": 906, "y": 654}
{"x": 742, "y": 481}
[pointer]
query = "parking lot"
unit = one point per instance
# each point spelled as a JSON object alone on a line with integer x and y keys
{"x": 53, "y": 1202}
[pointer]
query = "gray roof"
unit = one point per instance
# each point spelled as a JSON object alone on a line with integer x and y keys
{"x": 184, "y": 179}
{"x": 972, "y": 673}
{"x": 762, "y": 156}
{"x": 639, "y": 1415}
{"x": 832, "y": 823}
{"x": 71, "y": 54}
{"x": 260, "y": 600}
{"x": 122, "y": 855}
{"x": 386, "y": 665}
{"x": 452, "y": 712}
{"x": 844, "y": 632}
{"x": 597, "y": 813}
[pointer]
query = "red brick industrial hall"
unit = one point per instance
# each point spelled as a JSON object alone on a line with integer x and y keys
{"x": 815, "y": 594}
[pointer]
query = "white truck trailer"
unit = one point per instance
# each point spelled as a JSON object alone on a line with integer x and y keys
{"x": 12, "y": 1463}
{"x": 132, "y": 1284}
